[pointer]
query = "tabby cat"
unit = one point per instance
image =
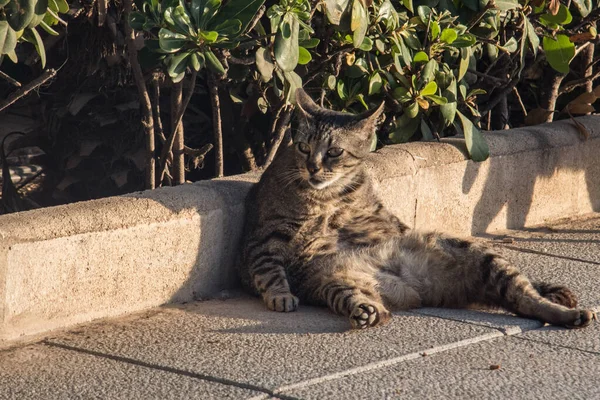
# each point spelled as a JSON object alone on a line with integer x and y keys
{"x": 317, "y": 232}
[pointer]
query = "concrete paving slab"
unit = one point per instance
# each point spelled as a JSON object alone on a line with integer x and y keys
{"x": 575, "y": 239}
{"x": 585, "y": 339}
{"x": 527, "y": 370}
{"x": 581, "y": 277}
{"x": 498, "y": 319}
{"x": 46, "y": 372}
{"x": 239, "y": 340}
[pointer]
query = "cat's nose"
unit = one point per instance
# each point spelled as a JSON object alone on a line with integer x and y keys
{"x": 313, "y": 168}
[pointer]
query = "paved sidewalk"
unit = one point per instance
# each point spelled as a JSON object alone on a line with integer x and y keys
{"x": 234, "y": 348}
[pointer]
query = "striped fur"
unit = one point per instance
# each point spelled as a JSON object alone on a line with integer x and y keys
{"x": 316, "y": 232}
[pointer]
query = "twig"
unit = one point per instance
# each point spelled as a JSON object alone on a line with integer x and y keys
{"x": 496, "y": 81}
{"x": 516, "y": 92}
{"x": 24, "y": 91}
{"x": 178, "y": 166}
{"x": 12, "y": 81}
{"x": 147, "y": 120}
{"x": 256, "y": 18}
{"x": 550, "y": 94}
{"x": 156, "y": 109}
{"x": 213, "y": 87}
{"x": 167, "y": 149}
{"x": 574, "y": 84}
{"x": 102, "y": 6}
{"x": 282, "y": 121}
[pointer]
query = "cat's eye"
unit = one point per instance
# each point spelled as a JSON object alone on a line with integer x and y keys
{"x": 304, "y": 148}
{"x": 335, "y": 152}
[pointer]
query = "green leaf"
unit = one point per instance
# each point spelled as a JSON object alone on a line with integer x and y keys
{"x": 401, "y": 94}
{"x": 19, "y": 13}
{"x": 439, "y": 100}
{"x": 563, "y": 17}
{"x": 375, "y": 84}
{"x": 229, "y": 28}
{"x": 533, "y": 38}
{"x": 62, "y": 6}
{"x": 583, "y": 6}
{"x": 171, "y": 42}
{"x": 404, "y": 128}
{"x": 408, "y": 4}
{"x": 466, "y": 40}
{"x": 359, "y": 23}
{"x": 429, "y": 89}
{"x": 342, "y": 90}
{"x": 292, "y": 82}
{"x": 310, "y": 43}
{"x": 242, "y": 10}
{"x": 183, "y": 21}
{"x": 424, "y": 13}
{"x": 506, "y": 4}
{"x": 355, "y": 71}
{"x": 448, "y": 110}
{"x": 367, "y": 44}
{"x": 448, "y": 35}
{"x": 412, "y": 110}
{"x": 286, "y": 49}
{"x": 334, "y": 9}
{"x": 510, "y": 46}
{"x": 434, "y": 30}
{"x": 8, "y": 38}
{"x": 177, "y": 63}
{"x": 197, "y": 61}
{"x": 429, "y": 71}
{"x": 264, "y": 64}
{"x": 213, "y": 63}
{"x": 421, "y": 56}
{"x": 465, "y": 54}
{"x": 137, "y": 20}
{"x": 209, "y": 36}
{"x": 476, "y": 144}
{"x": 33, "y": 37}
{"x": 559, "y": 52}
{"x": 39, "y": 11}
{"x": 207, "y": 13}
{"x": 330, "y": 82}
{"x": 426, "y": 131}
{"x": 304, "y": 56}
{"x": 48, "y": 29}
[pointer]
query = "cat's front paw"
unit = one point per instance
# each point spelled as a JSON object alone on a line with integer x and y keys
{"x": 285, "y": 302}
{"x": 367, "y": 315}
{"x": 584, "y": 319}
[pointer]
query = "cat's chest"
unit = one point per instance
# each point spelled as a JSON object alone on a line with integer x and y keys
{"x": 333, "y": 229}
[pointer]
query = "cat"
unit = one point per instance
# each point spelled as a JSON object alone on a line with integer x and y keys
{"x": 317, "y": 232}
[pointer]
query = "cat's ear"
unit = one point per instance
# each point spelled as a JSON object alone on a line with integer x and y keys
{"x": 305, "y": 103}
{"x": 372, "y": 116}
{"x": 367, "y": 121}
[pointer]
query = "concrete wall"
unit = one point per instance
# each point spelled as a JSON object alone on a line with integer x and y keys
{"x": 65, "y": 265}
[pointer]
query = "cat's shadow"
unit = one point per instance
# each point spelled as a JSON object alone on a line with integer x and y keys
{"x": 248, "y": 315}
{"x": 243, "y": 314}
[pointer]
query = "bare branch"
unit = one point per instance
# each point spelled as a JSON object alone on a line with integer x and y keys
{"x": 213, "y": 87}
{"x": 140, "y": 82}
{"x": 24, "y": 91}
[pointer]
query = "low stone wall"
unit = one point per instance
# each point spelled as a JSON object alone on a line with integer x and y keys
{"x": 64, "y": 265}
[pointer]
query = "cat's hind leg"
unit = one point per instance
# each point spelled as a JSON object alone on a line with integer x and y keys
{"x": 506, "y": 287}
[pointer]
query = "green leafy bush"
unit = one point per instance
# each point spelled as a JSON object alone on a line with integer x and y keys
{"x": 19, "y": 22}
{"x": 430, "y": 60}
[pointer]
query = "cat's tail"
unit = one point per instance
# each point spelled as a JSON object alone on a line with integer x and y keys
{"x": 556, "y": 293}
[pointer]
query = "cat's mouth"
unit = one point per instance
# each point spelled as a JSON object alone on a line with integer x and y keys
{"x": 319, "y": 184}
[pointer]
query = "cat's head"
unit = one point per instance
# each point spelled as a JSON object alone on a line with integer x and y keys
{"x": 330, "y": 145}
